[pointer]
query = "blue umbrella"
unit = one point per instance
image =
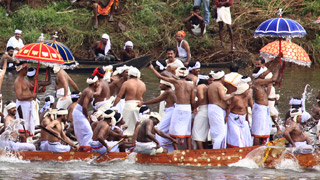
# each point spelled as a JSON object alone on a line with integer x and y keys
{"x": 280, "y": 27}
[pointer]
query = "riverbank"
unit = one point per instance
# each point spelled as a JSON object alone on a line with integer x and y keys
{"x": 152, "y": 24}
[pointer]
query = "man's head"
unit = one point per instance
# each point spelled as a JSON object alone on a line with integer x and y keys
{"x": 10, "y": 106}
{"x": 31, "y": 72}
{"x": 75, "y": 95}
{"x": 93, "y": 81}
{"x": 144, "y": 110}
{"x": 134, "y": 73}
{"x": 99, "y": 72}
{"x": 180, "y": 35}
{"x": 108, "y": 116}
{"x": 22, "y": 68}
{"x": 17, "y": 33}
{"x": 182, "y": 72}
{"x": 295, "y": 114}
{"x": 210, "y": 80}
{"x": 196, "y": 9}
{"x": 105, "y": 38}
{"x": 217, "y": 75}
{"x": 10, "y": 51}
{"x": 194, "y": 68}
{"x": 164, "y": 85}
{"x": 128, "y": 46}
{"x": 296, "y": 103}
{"x": 170, "y": 53}
{"x": 63, "y": 114}
{"x": 119, "y": 119}
{"x": 242, "y": 88}
{"x": 49, "y": 100}
{"x": 155, "y": 117}
{"x": 260, "y": 62}
{"x": 234, "y": 67}
{"x": 259, "y": 72}
{"x": 246, "y": 79}
{"x": 97, "y": 115}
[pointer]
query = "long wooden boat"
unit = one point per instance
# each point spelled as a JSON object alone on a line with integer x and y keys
{"x": 207, "y": 157}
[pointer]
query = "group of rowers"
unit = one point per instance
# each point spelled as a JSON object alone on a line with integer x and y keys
{"x": 217, "y": 107}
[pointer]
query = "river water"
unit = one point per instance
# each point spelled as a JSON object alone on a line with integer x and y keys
{"x": 293, "y": 85}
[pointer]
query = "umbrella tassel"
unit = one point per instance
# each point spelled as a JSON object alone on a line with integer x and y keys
{"x": 36, "y": 80}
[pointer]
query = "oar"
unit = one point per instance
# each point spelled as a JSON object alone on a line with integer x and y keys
{"x": 21, "y": 117}
{"x": 107, "y": 150}
{"x": 45, "y": 129}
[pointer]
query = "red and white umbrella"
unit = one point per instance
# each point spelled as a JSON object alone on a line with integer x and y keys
{"x": 317, "y": 21}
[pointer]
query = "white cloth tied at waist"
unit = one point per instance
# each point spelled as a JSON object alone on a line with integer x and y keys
{"x": 82, "y": 128}
{"x": 58, "y": 147}
{"x": 218, "y": 127}
{"x": 28, "y": 113}
{"x": 238, "y": 131}
{"x": 201, "y": 126}
{"x": 303, "y": 147}
{"x": 130, "y": 115}
{"x": 98, "y": 147}
{"x": 147, "y": 148}
{"x": 261, "y": 121}
{"x": 164, "y": 126}
{"x": 180, "y": 125}
{"x": 104, "y": 105}
{"x": 224, "y": 15}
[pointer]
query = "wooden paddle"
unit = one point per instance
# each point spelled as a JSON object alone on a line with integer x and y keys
{"x": 45, "y": 129}
{"x": 21, "y": 117}
{"x": 107, "y": 150}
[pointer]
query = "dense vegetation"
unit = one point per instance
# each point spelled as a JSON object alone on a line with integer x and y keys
{"x": 152, "y": 24}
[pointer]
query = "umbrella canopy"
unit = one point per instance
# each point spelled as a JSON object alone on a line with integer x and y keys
{"x": 66, "y": 54}
{"x": 291, "y": 52}
{"x": 317, "y": 21}
{"x": 280, "y": 27}
{"x": 40, "y": 53}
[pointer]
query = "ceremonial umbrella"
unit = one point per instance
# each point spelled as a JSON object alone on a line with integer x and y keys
{"x": 291, "y": 52}
{"x": 39, "y": 53}
{"x": 317, "y": 21}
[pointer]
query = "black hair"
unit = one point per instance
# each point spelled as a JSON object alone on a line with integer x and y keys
{"x": 47, "y": 99}
{"x": 75, "y": 99}
{"x": 91, "y": 77}
{"x": 261, "y": 59}
{"x": 109, "y": 111}
{"x": 29, "y": 70}
{"x": 8, "y": 102}
{"x": 98, "y": 72}
{"x": 244, "y": 77}
{"x": 191, "y": 64}
{"x": 234, "y": 67}
{"x": 170, "y": 49}
{"x": 9, "y": 48}
{"x": 143, "y": 109}
{"x": 117, "y": 116}
{"x": 61, "y": 109}
{"x": 203, "y": 81}
{"x": 256, "y": 70}
{"x": 163, "y": 62}
{"x": 196, "y": 8}
{"x": 21, "y": 62}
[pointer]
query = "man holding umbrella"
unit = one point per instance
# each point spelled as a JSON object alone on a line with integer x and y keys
{"x": 24, "y": 100}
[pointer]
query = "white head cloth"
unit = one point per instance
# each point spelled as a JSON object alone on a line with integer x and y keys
{"x": 56, "y": 69}
{"x": 269, "y": 75}
{"x": 128, "y": 43}
{"x": 18, "y": 68}
{"x": 294, "y": 113}
{"x": 246, "y": 80}
{"x": 108, "y": 45}
{"x": 161, "y": 66}
{"x": 241, "y": 88}
{"x": 166, "y": 83}
{"x": 47, "y": 103}
{"x": 261, "y": 70}
{"x": 196, "y": 66}
{"x": 155, "y": 115}
{"x": 94, "y": 117}
{"x": 182, "y": 72}
{"x": 91, "y": 81}
{"x": 294, "y": 101}
{"x": 217, "y": 74}
{"x": 62, "y": 112}
{"x": 144, "y": 117}
{"x": 10, "y": 106}
{"x": 305, "y": 116}
{"x": 31, "y": 73}
{"x": 111, "y": 115}
{"x": 120, "y": 118}
{"x": 122, "y": 69}
{"x": 17, "y": 31}
{"x": 134, "y": 72}
{"x": 107, "y": 68}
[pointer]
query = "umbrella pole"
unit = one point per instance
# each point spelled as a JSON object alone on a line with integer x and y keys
{"x": 35, "y": 80}
{"x": 281, "y": 71}
{"x": 44, "y": 87}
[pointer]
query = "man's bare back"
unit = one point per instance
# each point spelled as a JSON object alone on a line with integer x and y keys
{"x": 216, "y": 93}
{"x": 202, "y": 94}
{"x": 105, "y": 91}
{"x": 134, "y": 89}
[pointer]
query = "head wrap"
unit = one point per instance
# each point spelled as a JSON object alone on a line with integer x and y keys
{"x": 155, "y": 115}
{"x": 182, "y": 72}
{"x": 47, "y": 103}
{"x": 269, "y": 75}
{"x": 261, "y": 71}
{"x": 295, "y": 101}
{"x": 52, "y": 113}
{"x": 144, "y": 110}
{"x": 161, "y": 66}
{"x": 98, "y": 71}
{"x": 17, "y": 31}
{"x": 134, "y": 72}
{"x": 246, "y": 79}
{"x": 143, "y": 117}
{"x": 92, "y": 80}
{"x": 217, "y": 74}
{"x": 31, "y": 72}
{"x": 75, "y": 95}
{"x": 166, "y": 83}
{"x": 56, "y": 69}
{"x": 108, "y": 45}
{"x": 107, "y": 68}
{"x": 197, "y": 65}
{"x": 122, "y": 69}
{"x": 95, "y": 115}
{"x": 294, "y": 113}
{"x": 118, "y": 117}
{"x": 10, "y": 105}
{"x": 241, "y": 88}
{"x": 21, "y": 65}
{"x": 128, "y": 43}
{"x": 62, "y": 112}
{"x": 305, "y": 116}
{"x": 182, "y": 33}
{"x": 110, "y": 114}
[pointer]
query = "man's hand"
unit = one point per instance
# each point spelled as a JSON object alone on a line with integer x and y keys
{"x": 186, "y": 64}
{"x": 192, "y": 13}
{"x": 140, "y": 104}
{"x": 63, "y": 98}
{"x": 151, "y": 66}
{"x": 108, "y": 149}
{"x": 34, "y": 95}
{"x": 175, "y": 141}
{"x": 158, "y": 146}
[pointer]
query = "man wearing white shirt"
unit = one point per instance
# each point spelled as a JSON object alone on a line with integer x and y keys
{"x": 16, "y": 41}
{"x": 171, "y": 61}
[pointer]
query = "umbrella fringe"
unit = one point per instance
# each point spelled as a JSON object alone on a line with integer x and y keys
{"x": 299, "y": 62}
{"x": 277, "y": 36}
{"x": 50, "y": 64}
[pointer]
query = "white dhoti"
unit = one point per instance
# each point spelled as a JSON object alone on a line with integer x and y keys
{"x": 261, "y": 121}
{"x": 147, "y": 148}
{"x": 218, "y": 127}
{"x": 224, "y": 15}
{"x": 238, "y": 131}
{"x": 164, "y": 126}
{"x": 44, "y": 145}
{"x": 17, "y": 146}
{"x": 98, "y": 147}
{"x": 200, "y": 127}
{"x": 180, "y": 125}
{"x": 82, "y": 128}
{"x": 120, "y": 106}
{"x": 130, "y": 115}
{"x": 303, "y": 148}
{"x": 64, "y": 104}
{"x": 35, "y": 105}
{"x": 28, "y": 113}
{"x": 58, "y": 147}
{"x": 104, "y": 105}
{"x": 197, "y": 30}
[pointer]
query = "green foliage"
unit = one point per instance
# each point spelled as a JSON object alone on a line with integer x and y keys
{"x": 311, "y": 6}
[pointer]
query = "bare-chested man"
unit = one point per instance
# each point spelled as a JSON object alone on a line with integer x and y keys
{"x": 24, "y": 100}
{"x": 146, "y": 142}
{"x": 294, "y": 133}
{"x": 169, "y": 97}
{"x": 194, "y": 69}
{"x": 81, "y": 125}
{"x": 200, "y": 127}
{"x": 44, "y": 123}
{"x": 238, "y": 133}
{"x": 31, "y": 76}
{"x": 62, "y": 87}
{"x": 55, "y": 127}
{"x": 11, "y": 135}
{"x": 180, "y": 126}
{"x": 217, "y": 106}
{"x": 133, "y": 90}
{"x": 261, "y": 120}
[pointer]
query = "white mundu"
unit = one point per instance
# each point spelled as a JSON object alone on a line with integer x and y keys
{"x": 218, "y": 127}
{"x": 261, "y": 121}
{"x": 180, "y": 126}
{"x": 164, "y": 126}
{"x": 28, "y": 113}
{"x": 224, "y": 15}
{"x": 130, "y": 115}
{"x": 58, "y": 147}
{"x": 200, "y": 127}
{"x": 238, "y": 131}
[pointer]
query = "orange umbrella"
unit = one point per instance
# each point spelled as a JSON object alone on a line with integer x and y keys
{"x": 291, "y": 52}
{"x": 39, "y": 53}
{"x": 317, "y": 21}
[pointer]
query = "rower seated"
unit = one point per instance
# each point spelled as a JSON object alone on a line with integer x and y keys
{"x": 146, "y": 142}
{"x": 295, "y": 135}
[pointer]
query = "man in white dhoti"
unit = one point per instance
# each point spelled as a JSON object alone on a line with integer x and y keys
{"x": 195, "y": 22}
{"x": 238, "y": 134}
{"x": 261, "y": 120}
{"x": 81, "y": 125}
{"x": 48, "y": 117}
{"x": 224, "y": 17}
{"x": 54, "y": 144}
{"x": 62, "y": 87}
{"x": 10, "y": 134}
{"x": 295, "y": 135}
{"x": 180, "y": 125}
{"x": 169, "y": 97}
{"x": 24, "y": 101}
{"x": 133, "y": 89}
{"x": 15, "y": 41}
{"x": 217, "y": 106}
